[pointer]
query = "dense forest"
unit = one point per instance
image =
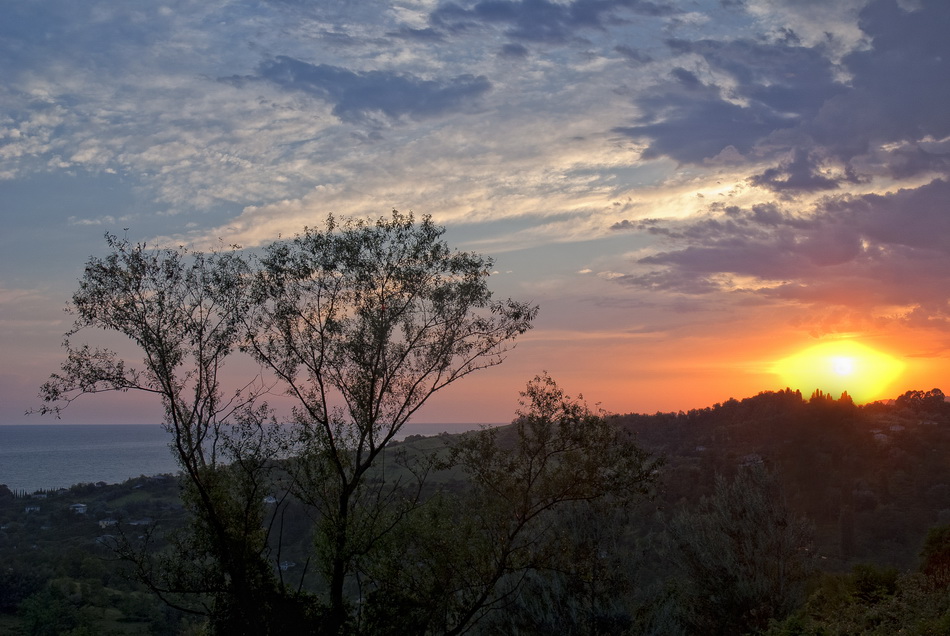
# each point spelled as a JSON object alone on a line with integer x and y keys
{"x": 775, "y": 514}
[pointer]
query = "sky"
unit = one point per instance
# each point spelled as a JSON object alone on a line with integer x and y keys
{"x": 691, "y": 190}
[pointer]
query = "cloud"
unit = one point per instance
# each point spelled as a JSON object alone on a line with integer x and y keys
{"x": 418, "y": 35}
{"x": 866, "y": 113}
{"x": 800, "y": 172}
{"x": 632, "y": 54}
{"x": 19, "y": 309}
{"x": 357, "y": 96}
{"x": 543, "y": 20}
{"x": 749, "y": 90}
{"x": 693, "y": 129}
{"x": 863, "y": 253}
{"x": 783, "y": 75}
{"x": 815, "y": 23}
{"x": 513, "y": 50}
{"x": 895, "y": 93}
{"x": 106, "y": 220}
{"x": 914, "y": 218}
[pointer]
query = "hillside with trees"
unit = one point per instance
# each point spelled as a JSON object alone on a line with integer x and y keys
{"x": 873, "y": 479}
{"x": 772, "y": 514}
{"x": 851, "y": 516}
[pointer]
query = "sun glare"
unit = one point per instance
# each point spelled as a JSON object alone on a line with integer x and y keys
{"x": 843, "y": 366}
{"x": 840, "y": 366}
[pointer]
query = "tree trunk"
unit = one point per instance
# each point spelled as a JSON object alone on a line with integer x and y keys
{"x": 336, "y": 621}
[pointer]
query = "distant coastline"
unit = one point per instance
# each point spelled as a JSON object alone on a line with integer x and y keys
{"x": 52, "y": 456}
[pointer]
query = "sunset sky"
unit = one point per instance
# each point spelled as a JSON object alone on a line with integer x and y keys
{"x": 692, "y": 190}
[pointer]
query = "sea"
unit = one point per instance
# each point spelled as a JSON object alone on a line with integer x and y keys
{"x": 52, "y": 456}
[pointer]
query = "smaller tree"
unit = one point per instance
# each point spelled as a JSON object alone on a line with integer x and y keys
{"x": 743, "y": 555}
{"x": 935, "y": 555}
{"x": 475, "y": 549}
{"x": 933, "y": 400}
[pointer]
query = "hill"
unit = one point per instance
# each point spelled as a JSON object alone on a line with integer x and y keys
{"x": 871, "y": 480}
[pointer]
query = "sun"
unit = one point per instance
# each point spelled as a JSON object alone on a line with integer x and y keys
{"x": 843, "y": 366}
{"x": 838, "y": 366}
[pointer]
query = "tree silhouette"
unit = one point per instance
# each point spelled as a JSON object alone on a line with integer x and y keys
{"x": 359, "y": 323}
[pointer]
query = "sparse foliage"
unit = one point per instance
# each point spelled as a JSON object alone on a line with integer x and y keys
{"x": 360, "y": 323}
{"x": 181, "y": 311}
{"x": 513, "y": 521}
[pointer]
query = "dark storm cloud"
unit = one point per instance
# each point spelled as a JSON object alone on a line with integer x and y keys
{"x": 899, "y": 90}
{"x": 783, "y": 76}
{"x": 914, "y": 218}
{"x": 697, "y": 122}
{"x": 907, "y": 68}
{"x": 542, "y": 20}
{"x": 777, "y": 86}
{"x": 783, "y": 96}
{"x": 515, "y": 51}
{"x": 800, "y": 173}
{"x": 854, "y": 251}
{"x": 633, "y": 54}
{"x": 913, "y": 159}
{"x": 417, "y": 35}
{"x": 358, "y": 95}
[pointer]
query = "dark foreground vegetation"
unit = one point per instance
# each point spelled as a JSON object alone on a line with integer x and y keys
{"x": 773, "y": 514}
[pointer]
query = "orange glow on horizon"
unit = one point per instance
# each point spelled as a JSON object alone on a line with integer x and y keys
{"x": 844, "y": 365}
